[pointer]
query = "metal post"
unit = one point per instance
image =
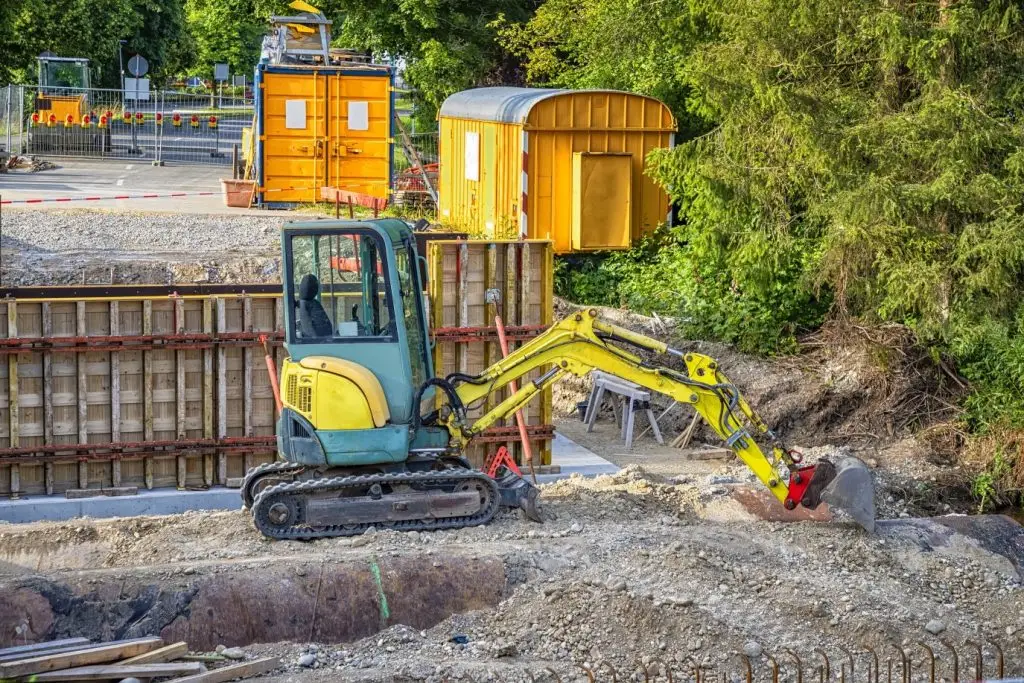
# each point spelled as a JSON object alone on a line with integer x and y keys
{"x": 22, "y": 143}
{"x": 120, "y": 63}
{"x": 234, "y": 161}
{"x": 10, "y": 96}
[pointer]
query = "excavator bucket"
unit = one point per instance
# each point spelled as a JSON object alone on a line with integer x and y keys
{"x": 853, "y": 491}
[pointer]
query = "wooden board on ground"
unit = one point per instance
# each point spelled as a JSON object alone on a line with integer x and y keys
{"x": 89, "y": 654}
{"x": 164, "y": 654}
{"x": 36, "y": 649}
{"x": 229, "y": 673}
{"x": 116, "y": 672}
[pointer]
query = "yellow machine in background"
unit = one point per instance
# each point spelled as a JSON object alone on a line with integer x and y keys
{"x": 63, "y": 84}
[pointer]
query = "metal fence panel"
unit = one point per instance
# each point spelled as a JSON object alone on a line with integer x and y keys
{"x": 415, "y": 158}
{"x": 160, "y": 126}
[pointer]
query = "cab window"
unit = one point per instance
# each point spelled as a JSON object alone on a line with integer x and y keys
{"x": 412, "y": 312}
{"x": 339, "y": 288}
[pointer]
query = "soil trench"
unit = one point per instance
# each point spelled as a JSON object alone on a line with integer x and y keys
{"x": 252, "y": 602}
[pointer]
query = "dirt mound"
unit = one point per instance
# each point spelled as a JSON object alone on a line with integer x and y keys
{"x": 849, "y": 384}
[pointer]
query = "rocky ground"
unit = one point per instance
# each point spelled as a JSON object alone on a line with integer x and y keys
{"x": 631, "y": 566}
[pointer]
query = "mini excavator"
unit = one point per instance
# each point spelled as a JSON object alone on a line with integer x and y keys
{"x": 369, "y": 436}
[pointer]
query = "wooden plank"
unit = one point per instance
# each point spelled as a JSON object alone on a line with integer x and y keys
{"x": 256, "y": 667}
{"x": 111, "y": 491}
{"x": 107, "y": 652}
{"x": 47, "y": 378}
{"x": 208, "y": 372}
{"x": 36, "y": 649}
{"x": 247, "y": 326}
{"x": 166, "y": 653}
{"x": 179, "y": 366}
{"x": 12, "y": 374}
{"x": 147, "y": 374}
{"x": 83, "y": 380}
{"x": 462, "y": 296}
{"x": 115, "y": 383}
{"x": 121, "y": 671}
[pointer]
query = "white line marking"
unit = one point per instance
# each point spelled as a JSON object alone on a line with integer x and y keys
{"x": 128, "y": 167}
{"x": 120, "y": 182}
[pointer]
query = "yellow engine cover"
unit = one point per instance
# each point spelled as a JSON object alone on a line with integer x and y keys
{"x": 333, "y": 393}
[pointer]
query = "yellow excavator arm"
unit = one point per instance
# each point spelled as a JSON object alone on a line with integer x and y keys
{"x": 583, "y": 342}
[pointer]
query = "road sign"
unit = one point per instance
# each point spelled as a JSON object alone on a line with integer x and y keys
{"x": 136, "y": 89}
{"x": 138, "y": 66}
{"x": 220, "y": 72}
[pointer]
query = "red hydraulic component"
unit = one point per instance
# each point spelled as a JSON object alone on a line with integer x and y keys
{"x": 138, "y": 118}
{"x": 69, "y": 121}
{"x": 213, "y": 122}
{"x": 52, "y": 121}
{"x": 272, "y": 371}
{"x": 501, "y": 457}
{"x": 109, "y": 114}
{"x": 513, "y": 387}
{"x": 798, "y": 482}
{"x": 194, "y": 121}
{"x": 86, "y": 121}
{"x": 159, "y": 118}
{"x": 104, "y": 120}
{"x": 176, "y": 119}
{"x": 35, "y": 119}
{"x": 127, "y": 117}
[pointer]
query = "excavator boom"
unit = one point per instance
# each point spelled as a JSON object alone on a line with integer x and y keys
{"x": 583, "y": 342}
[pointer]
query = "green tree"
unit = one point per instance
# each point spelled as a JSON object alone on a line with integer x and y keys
{"x": 91, "y": 29}
{"x": 447, "y": 46}
{"x": 871, "y": 153}
{"x": 631, "y": 45}
{"x": 226, "y": 31}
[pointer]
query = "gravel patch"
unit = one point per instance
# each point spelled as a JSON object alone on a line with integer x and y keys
{"x": 99, "y": 247}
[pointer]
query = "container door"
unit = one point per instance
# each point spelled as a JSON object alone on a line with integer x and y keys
{"x": 294, "y": 164}
{"x": 601, "y": 200}
{"x": 359, "y": 148}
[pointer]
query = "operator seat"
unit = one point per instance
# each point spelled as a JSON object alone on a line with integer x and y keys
{"x": 313, "y": 320}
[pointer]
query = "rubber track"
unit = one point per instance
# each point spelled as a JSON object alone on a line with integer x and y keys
{"x": 302, "y": 489}
{"x": 259, "y": 470}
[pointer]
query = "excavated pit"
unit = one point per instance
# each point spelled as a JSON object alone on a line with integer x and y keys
{"x": 258, "y": 601}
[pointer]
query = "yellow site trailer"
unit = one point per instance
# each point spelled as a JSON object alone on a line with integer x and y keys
{"x": 322, "y": 126}
{"x": 564, "y": 165}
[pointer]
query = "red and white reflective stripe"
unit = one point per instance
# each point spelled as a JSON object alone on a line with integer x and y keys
{"x": 148, "y": 195}
{"x": 523, "y": 185}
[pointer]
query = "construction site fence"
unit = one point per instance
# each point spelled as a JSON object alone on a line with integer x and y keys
{"x": 154, "y": 127}
{"x": 419, "y": 158}
{"x": 166, "y": 386}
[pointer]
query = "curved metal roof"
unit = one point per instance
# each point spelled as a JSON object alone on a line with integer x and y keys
{"x": 504, "y": 105}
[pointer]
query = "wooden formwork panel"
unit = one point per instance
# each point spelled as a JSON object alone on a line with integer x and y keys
{"x": 143, "y": 390}
{"x": 461, "y": 272}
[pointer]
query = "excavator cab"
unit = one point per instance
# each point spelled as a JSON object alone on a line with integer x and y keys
{"x": 357, "y": 339}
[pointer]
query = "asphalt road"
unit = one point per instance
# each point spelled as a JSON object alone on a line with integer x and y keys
{"x": 77, "y": 179}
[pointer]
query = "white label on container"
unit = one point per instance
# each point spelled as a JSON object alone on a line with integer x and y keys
{"x": 295, "y": 114}
{"x": 359, "y": 116}
{"x": 472, "y": 156}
